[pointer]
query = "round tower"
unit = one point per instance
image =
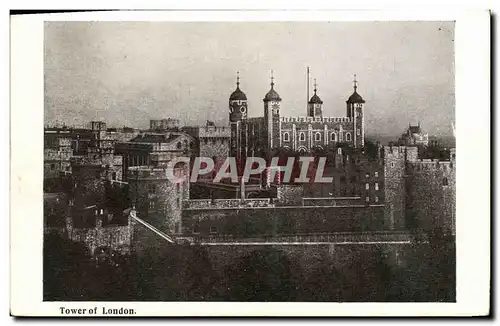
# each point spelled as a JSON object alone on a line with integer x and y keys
{"x": 315, "y": 104}
{"x": 355, "y": 111}
{"x": 272, "y": 103}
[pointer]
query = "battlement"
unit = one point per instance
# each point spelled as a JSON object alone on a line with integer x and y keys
{"x": 148, "y": 172}
{"x": 227, "y": 203}
{"x": 409, "y": 153}
{"x": 214, "y": 131}
{"x": 430, "y": 164}
{"x": 318, "y": 119}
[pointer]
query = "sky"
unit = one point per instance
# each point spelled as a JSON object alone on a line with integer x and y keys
{"x": 125, "y": 73}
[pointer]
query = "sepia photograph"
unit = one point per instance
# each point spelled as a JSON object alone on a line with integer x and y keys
{"x": 247, "y": 162}
{"x": 306, "y": 171}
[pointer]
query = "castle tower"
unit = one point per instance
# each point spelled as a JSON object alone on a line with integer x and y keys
{"x": 272, "y": 102}
{"x": 315, "y": 107}
{"x": 238, "y": 108}
{"x": 355, "y": 110}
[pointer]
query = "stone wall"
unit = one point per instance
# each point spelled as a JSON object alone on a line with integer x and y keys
{"x": 252, "y": 221}
{"x": 227, "y": 203}
{"x": 432, "y": 195}
{"x": 289, "y": 195}
{"x": 89, "y": 183}
{"x": 333, "y": 201}
{"x": 117, "y": 238}
{"x": 395, "y": 158}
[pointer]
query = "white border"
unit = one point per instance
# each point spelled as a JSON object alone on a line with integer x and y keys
{"x": 473, "y": 200}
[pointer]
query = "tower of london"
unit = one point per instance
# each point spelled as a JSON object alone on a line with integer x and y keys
{"x": 256, "y": 135}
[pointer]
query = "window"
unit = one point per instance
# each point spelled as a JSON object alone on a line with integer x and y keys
{"x": 376, "y": 185}
{"x": 302, "y": 136}
{"x": 52, "y": 166}
{"x": 178, "y": 202}
{"x": 179, "y": 145}
{"x": 213, "y": 229}
{"x": 367, "y": 199}
{"x": 196, "y": 228}
{"x": 342, "y": 179}
{"x": 317, "y": 136}
{"x": 367, "y": 175}
{"x": 206, "y": 141}
{"x": 376, "y": 174}
{"x": 152, "y": 204}
{"x": 152, "y": 188}
{"x": 367, "y": 186}
{"x": 445, "y": 181}
{"x": 333, "y": 137}
{"x": 376, "y": 199}
{"x": 286, "y": 136}
{"x": 348, "y": 136}
{"x": 358, "y": 132}
{"x": 392, "y": 164}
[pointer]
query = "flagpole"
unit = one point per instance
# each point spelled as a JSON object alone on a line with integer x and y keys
{"x": 307, "y": 99}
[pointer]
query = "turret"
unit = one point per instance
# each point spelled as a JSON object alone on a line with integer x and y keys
{"x": 238, "y": 108}
{"x": 272, "y": 102}
{"x": 315, "y": 105}
{"x": 355, "y": 110}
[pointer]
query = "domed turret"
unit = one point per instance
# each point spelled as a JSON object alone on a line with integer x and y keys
{"x": 272, "y": 103}
{"x": 315, "y": 99}
{"x": 315, "y": 103}
{"x": 355, "y": 111}
{"x": 355, "y": 97}
{"x": 272, "y": 95}
{"x": 238, "y": 94}
{"x": 237, "y": 102}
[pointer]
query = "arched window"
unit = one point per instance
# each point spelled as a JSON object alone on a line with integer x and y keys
{"x": 286, "y": 136}
{"x": 348, "y": 136}
{"x": 302, "y": 136}
{"x": 317, "y": 136}
{"x": 333, "y": 137}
